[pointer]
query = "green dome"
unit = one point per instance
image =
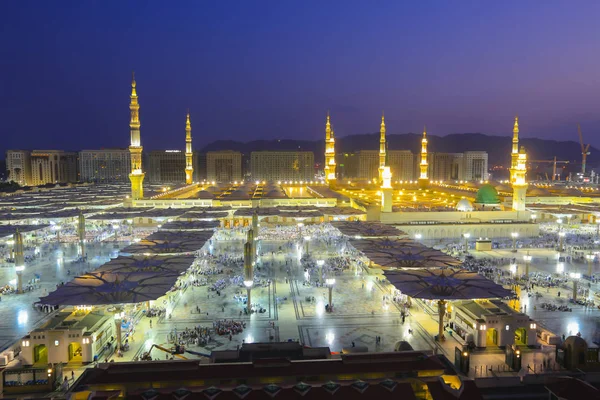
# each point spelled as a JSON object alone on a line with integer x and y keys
{"x": 487, "y": 194}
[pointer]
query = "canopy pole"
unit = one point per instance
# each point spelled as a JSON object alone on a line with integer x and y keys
{"x": 442, "y": 313}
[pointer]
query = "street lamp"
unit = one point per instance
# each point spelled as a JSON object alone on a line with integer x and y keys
{"x": 320, "y": 264}
{"x": 467, "y": 236}
{"x": 514, "y": 235}
{"x": 590, "y": 260}
{"x": 57, "y": 230}
{"x": 330, "y": 282}
{"x": 560, "y": 268}
{"x": 513, "y": 269}
{"x": 575, "y": 276}
{"x": 418, "y": 236}
{"x": 527, "y": 259}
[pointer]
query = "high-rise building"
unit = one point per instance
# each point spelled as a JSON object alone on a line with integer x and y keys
{"x": 401, "y": 164}
{"x": 18, "y": 166}
{"x": 347, "y": 165}
{"x": 447, "y": 166}
{"x": 53, "y": 166}
{"x": 475, "y": 165}
{"x": 135, "y": 149}
{"x": 168, "y": 166}
{"x": 224, "y": 166}
{"x": 282, "y": 165}
{"x": 368, "y": 164}
{"x": 106, "y": 165}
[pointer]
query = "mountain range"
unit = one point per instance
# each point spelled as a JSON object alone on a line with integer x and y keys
{"x": 497, "y": 147}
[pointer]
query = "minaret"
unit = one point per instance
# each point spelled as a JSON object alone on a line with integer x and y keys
{"x": 382, "y": 148}
{"x": 386, "y": 187}
{"x": 189, "y": 169}
{"x": 514, "y": 156}
{"x": 135, "y": 149}
{"x": 248, "y": 274}
{"x": 518, "y": 171}
{"x": 424, "y": 165}
{"x": 330, "y": 176}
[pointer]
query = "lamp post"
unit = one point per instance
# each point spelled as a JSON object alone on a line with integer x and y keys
{"x": 514, "y": 236}
{"x": 467, "y": 236}
{"x": 575, "y": 276}
{"x": 330, "y": 282}
{"x": 19, "y": 259}
{"x": 561, "y": 245}
{"x": 320, "y": 264}
{"x": 590, "y": 260}
{"x": 597, "y": 228}
{"x": 514, "y": 268}
{"x": 118, "y": 321}
{"x": 418, "y": 236}
{"x": 527, "y": 259}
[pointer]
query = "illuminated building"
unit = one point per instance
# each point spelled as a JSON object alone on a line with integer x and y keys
{"x": 135, "y": 149}
{"x": 446, "y": 166}
{"x": 401, "y": 164}
{"x": 330, "y": 173}
{"x": 53, "y": 166}
{"x": 18, "y": 166}
{"x": 166, "y": 166}
{"x": 475, "y": 165}
{"x": 382, "y": 149}
{"x": 106, "y": 165}
{"x": 518, "y": 171}
{"x": 282, "y": 165}
{"x": 423, "y": 180}
{"x": 189, "y": 169}
{"x": 224, "y": 166}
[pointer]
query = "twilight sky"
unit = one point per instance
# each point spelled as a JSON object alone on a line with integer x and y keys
{"x": 270, "y": 69}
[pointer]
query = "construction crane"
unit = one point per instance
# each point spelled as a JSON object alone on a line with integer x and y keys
{"x": 554, "y": 162}
{"x": 584, "y": 150}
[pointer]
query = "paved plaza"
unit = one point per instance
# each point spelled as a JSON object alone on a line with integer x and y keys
{"x": 290, "y": 309}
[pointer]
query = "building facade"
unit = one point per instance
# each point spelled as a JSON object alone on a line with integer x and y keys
{"x": 168, "y": 166}
{"x": 282, "y": 165}
{"x": 105, "y": 165}
{"x": 368, "y": 164}
{"x": 53, "y": 166}
{"x": 447, "y": 166}
{"x": 18, "y": 166}
{"x": 224, "y": 166}
{"x": 475, "y": 165}
{"x": 401, "y": 164}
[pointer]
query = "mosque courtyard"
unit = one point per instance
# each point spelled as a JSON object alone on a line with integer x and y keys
{"x": 287, "y": 307}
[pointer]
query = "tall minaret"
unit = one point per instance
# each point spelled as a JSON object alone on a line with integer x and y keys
{"x": 382, "y": 148}
{"x": 189, "y": 169}
{"x": 514, "y": 156}
{"x": 135, "y": 149}
{"x": 424, "y": 165}
{"x": 518, "y": 171}
{"x": 386, "y": 187}
{"x": 330, "y": 176}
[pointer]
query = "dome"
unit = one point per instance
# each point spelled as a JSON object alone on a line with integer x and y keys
{"x": 487, "y": 194}
{"x": 536, "y": 191}
{"x": 464, "y": 205}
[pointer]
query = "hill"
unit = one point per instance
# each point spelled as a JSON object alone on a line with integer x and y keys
{"x": 497, "y": 147}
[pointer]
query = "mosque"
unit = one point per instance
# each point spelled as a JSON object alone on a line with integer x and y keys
{"x": 423, "y": 209}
